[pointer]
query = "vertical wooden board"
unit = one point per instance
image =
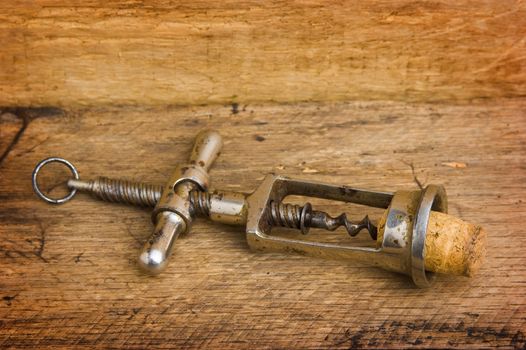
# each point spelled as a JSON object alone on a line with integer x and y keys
{"x": 57, "y": 53}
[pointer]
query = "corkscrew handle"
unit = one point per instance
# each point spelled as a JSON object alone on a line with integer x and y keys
{"x": 206, "y": 149}
{"x": 173, "y": 214}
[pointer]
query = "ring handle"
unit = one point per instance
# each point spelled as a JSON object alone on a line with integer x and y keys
{"x": 39, "y": 167}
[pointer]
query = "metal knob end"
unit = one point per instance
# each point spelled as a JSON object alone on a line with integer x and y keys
{"x": 154, "y": 256}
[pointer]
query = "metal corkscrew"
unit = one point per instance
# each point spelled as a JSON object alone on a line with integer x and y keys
{"x": 282, "y": 214}
{"x": 186, "y": 196}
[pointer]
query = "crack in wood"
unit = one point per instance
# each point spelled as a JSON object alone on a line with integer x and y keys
{"x": 420, "y": 184}
{"x": 27, "y": 115}
{"x": 42, "y": 243}
{"x": 14, "y": 141}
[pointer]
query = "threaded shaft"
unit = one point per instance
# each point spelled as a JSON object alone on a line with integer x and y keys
{"x": 136, "y": 193}
{"x": 200, "y": 202}
{"x": 290, "y": 215}
{"x": 124, "y": 191}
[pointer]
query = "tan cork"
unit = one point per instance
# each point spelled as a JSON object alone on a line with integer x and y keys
{"x": 453, "y": 246}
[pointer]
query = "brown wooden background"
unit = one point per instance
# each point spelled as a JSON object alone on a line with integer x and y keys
{"x": 395, "y": 93}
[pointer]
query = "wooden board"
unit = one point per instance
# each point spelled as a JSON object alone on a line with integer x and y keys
{"x": 71, "y": 53}
{"x": 69, "y": 277}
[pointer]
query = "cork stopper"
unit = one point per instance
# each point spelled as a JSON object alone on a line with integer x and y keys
{"x": 452, "y": 246}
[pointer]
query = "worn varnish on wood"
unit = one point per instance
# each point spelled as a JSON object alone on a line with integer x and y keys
{"x": 69, "y": 274}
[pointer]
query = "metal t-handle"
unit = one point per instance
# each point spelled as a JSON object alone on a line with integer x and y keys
{"x": 174, "y": 214}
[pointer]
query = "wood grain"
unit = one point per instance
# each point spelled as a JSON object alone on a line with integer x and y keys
{"x": 94, "y": 52}
{"x": 69, "y": 277}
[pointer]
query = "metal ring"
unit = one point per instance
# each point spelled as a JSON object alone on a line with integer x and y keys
{"x": 37, "y": 189}
{"x": 433, "y": 198}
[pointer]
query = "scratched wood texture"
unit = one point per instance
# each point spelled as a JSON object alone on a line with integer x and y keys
{"x": 93, "y": 52}
{"x": 69, "y": 277}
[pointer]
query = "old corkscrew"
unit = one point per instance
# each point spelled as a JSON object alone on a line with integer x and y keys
{"x": 415, "y": 236}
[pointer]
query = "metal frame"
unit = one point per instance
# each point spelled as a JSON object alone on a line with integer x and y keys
{"x": 433, "y": 198}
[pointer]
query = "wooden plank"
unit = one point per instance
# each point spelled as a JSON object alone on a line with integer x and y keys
{"x": 69, "y": 277}
{"x": 57, "y": 53}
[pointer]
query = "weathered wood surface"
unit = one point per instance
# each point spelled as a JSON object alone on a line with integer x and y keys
{"x": 69, "y": 277}
{"x": 57, "y": 53}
